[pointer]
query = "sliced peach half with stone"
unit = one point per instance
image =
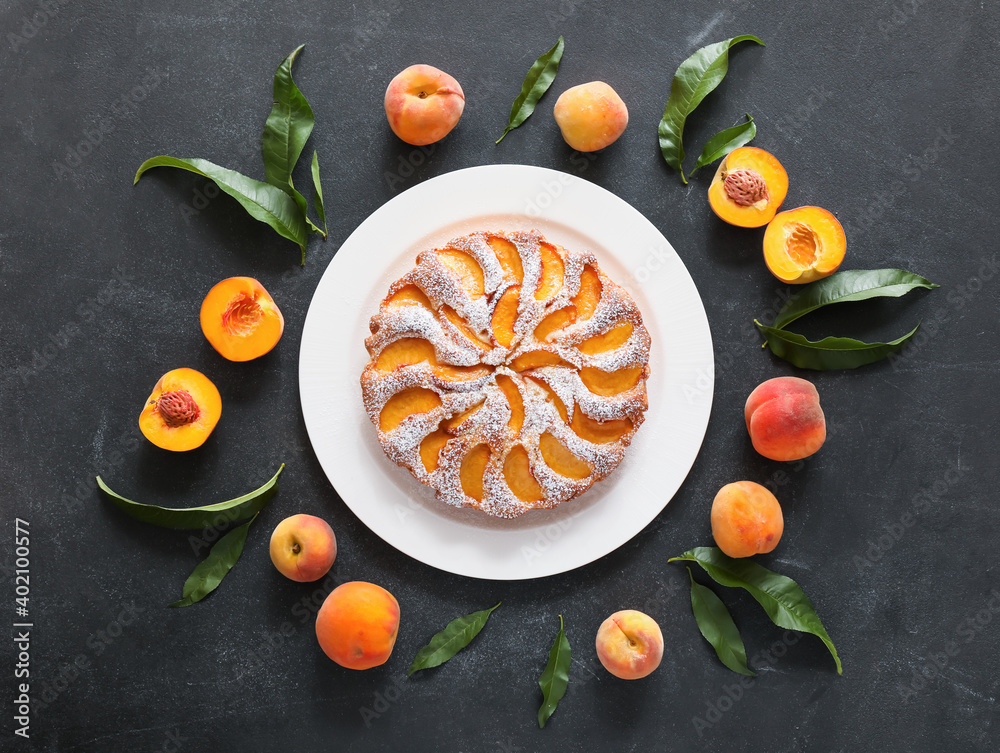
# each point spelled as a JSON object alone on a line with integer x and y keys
{"x": 514, "y": 399}
{"x": 550, "y": 281}
{"x": 508, "y": 257}
{"x": 602, "y": 343}
{"x": 240, "y": 319}
{"x": 804, "y": 244}
{"x": 181, "y": 411}
{"x": 552, "y": 397}
{"x": 586, "y": 300}
{"x": 517, "y": 472}
{"x": 560, "y": 459}
{"x": 406, "y": 403}
{"x": 554, "y": 322}
{"x": 599, "y": 432}
{"x": 430, "y": 448}
{"x": 504, "y": 316}
{"x": 472, "y": 469}
{"x": 748, "y": 187}
{"x": 465, "y": 269}
{"x": 608, "y": 383}
{"x": 536, "y": 359}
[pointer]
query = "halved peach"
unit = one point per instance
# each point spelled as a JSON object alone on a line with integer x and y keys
{"x": 599, "y": 432}
{"x": 517, "y": 471}
{"x": 514, "y": 399}
{"x": 465, "y": 268}
{"x": 406, "y": 403}
{"x": 472, "y": 470}
{"x": 613, "y": 338}
{"x": 504, "y": 316}
{"x": 610, "y": 382}
{"x": 560, "y": 459}
{"x": 804, "y": 244}
{"x": 181, "y": 411}
{"x": 748, "y": 187}
{"x": 586, "y": 300}
{"x": 551, "y": 280}
{"x": 240, "y": 319}
{"x": 508, "y": 257}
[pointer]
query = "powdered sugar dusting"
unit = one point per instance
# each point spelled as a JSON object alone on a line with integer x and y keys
{"x": 461, "y": 390}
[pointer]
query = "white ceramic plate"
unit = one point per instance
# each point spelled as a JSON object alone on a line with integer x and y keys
{"x": 576, "y": 214}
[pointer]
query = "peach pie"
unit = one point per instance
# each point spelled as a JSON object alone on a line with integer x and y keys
{"x": 507, "y": 373}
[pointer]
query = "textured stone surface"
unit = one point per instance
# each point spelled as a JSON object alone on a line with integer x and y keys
{"x": 881, "y": 113}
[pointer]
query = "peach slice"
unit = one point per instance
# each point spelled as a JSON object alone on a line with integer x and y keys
{"x": 804, "y": 244}
{"x": 517, "y": 471}
{"x": 586, "y": 300}
{"x": 181, "y": 411}
{"x": 504, "y": 316}
{"x": 613, "y": 338}
{"x": 472, "y": 470}
{"x": 240, "y": 319}
{"x": 560, "y": 459}
{"x": 406, "y": 351}
{"x": 409, "y": 294}
{"x": 430, "y": 449}
{"x": 452, "y": 316}
{"x": 599, "y": 432}
{"x": 508, "y": 257}
{"x": 451, "y": 425}
{"x": 748, "y": 187}
{"x": 555, "y": 321}
{"x": 405, "y": 404}
{"x": 551, "y": 280}
{"x": 514, "y": 399}
{"x": 465, "y": 268}
{"x": 552, "y": 397}
{"x": 535, "y": 360}
{"x": 610, "y": 382}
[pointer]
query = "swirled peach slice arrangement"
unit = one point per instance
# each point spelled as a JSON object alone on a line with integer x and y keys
{"x": 507, "y": 373}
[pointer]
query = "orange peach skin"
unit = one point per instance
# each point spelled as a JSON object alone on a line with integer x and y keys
{"x": 784, "y": 419}
{"x": 746, "y": 519}
{"x": 590, "y": 116}
{"x": 303, "y": 548}
{"x": 630, "y": 644}
{"x": 423, "y": 104}
{"x": 357, "y": 625}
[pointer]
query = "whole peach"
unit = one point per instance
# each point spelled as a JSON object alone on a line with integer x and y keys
{"x": 629, "y": 644}
{"x": 591, "y": 116}
{"x": 303, "y": 548}
{"x": 357, "y": 625}
{"x": 423, "y": 104}
{"x": 746, "y": 519}
{"x": 784, "y": 419}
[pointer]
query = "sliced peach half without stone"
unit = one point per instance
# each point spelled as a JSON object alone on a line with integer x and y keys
{"x": 504, "y": 316}
{"x": 599, "y": 432}
{"x": 804, "y": 244}
{"x": 472, "y": 470}
{"x": 560, "y": 459}
{"x": 240, "y": 319}
{"x": 554, "y": 322}
{"x": 404, "y": 404}
{"x": 517, "y": 472}
{"x": 748, "y": 187}
{"x": 181, "y": 411}
{"x": 550, "y": 281}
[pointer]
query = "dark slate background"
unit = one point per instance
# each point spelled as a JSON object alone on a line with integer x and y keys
{"x": 884, "y": 113}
